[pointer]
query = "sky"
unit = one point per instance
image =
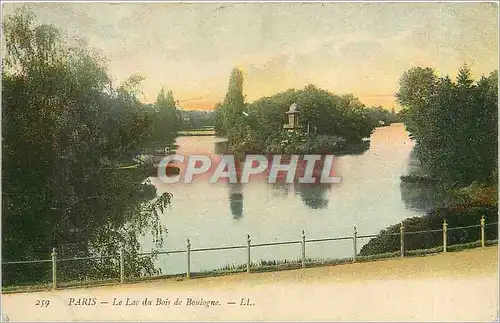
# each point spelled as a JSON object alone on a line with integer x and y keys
{"x": 358, "y": 48}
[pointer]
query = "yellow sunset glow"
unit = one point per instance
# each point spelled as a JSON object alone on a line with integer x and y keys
{"x": 359, "y": 48}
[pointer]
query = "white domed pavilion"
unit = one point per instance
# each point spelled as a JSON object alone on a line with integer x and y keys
{"x": 293, "y": 118}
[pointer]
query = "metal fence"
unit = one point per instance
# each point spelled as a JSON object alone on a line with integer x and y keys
{"x": 444, "y": 243}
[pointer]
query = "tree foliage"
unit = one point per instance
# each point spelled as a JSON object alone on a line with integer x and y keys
{"x": 195, "y": 119}
{"x": 454, "y": 123}
{"x": 389, "y": 241}
{"x": 381, "y": 117}
{"x": 229, "y": 117}
{"x": 167, "y": 120}
{"x": 66, "y": 129}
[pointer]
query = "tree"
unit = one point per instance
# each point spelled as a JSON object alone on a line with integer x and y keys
{"x": 379, "y": 116}
{"x": 464, "y": 78}
{"x": 231, "y": 110}
{"x": 320, "y": 109}
{"x": 65, "y": 131}
{"x": 234, "y": 95}
{"x": 416, "y": 87}
{"x": 354, "y": 124}
{"x": 195, "y": 119}
{"x": 219, "y": 119}
{"x": 268, "y": 114}
{"x": 167, "y": 119}
{"x": 234, "y": 102}
{"x": 454, "y": 123}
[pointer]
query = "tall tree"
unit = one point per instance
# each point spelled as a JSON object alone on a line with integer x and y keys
{"x": 234, "y": 95}
{"x": 233, "y": 107}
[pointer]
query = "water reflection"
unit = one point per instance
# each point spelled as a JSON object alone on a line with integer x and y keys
{"x": 314, "y": 195}
{"x": 280, "y": 190}
{"x": 414, "y": 165}
{"x": 423, "y": 196}
{"x": 236, "y": 200}
{"x": 370, "y": 196}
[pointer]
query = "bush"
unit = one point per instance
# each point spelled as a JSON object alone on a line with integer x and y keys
{"x": 388, "y": 239}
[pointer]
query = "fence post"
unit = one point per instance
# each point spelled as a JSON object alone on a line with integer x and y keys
{"x": 445, "y": 235}
{"x": 482, "y": 232}
{"x": 354, "y": 244}
{"x": 122, "y": 265}
{"x": 54, "y": 269}
{"x": 402, "y": 238}
{"x": 248, "y": 253}
{"x": 188, "y": 272}
{"x": 303, "y": 249}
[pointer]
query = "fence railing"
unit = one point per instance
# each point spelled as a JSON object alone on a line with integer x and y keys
{"x": 303, "y": 260}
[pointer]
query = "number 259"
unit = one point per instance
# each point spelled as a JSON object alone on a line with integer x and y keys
{"x": 42, "y": 303}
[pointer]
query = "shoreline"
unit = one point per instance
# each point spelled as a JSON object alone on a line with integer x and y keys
{"x": 460, "y": 286}
{"x": 375, "y": 260}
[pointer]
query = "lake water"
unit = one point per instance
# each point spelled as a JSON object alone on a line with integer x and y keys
{"x": 370, "y": 197}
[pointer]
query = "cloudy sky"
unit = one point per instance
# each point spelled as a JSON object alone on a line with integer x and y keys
{"x": 359, "y": 48}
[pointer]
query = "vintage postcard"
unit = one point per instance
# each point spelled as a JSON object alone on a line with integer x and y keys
{"x": 249, "y": 161}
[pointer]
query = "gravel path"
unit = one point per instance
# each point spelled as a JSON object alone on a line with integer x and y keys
{"x": 460, "y": 286}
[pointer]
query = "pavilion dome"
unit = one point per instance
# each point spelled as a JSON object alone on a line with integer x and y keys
{"x": 294, "y": 108}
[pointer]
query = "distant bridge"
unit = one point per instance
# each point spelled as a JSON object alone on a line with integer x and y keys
{"x": 207, "y": 131}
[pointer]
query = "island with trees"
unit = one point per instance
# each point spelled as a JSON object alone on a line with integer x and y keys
{"x": 330, "y": 122}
